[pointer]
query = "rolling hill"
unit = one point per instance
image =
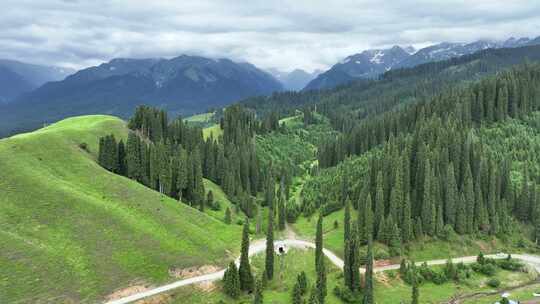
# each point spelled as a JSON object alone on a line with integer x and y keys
{"x": 73, "y": 232}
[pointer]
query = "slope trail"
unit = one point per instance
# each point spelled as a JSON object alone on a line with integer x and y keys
{"x": 259, "y": 246}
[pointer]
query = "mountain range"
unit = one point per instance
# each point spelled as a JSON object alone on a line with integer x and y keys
{"x": 182, "y": 85}
{"x": 372, "y": 63}
{"x": 17, "y": 78}
{"x": 32, "y": 95}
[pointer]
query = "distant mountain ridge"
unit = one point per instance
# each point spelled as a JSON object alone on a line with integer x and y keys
{"x": 181, "y": 85}
{"x": 372, "y": 63}
{"x": 294, "y": 80}
{"x": 17, "y": 78}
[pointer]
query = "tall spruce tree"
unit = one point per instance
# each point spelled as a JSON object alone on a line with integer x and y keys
{"x": 368, "y": 289}
{"x": 379, "y": 206}
{"x": 258, "y": 293}
{"x": 231, "y": 281}
{"x": 281, "y": 213}
{"x": 319, "y": 262}
{"x": 269, "y": 259}
{"x": 244, "y": 271}
{"x": 428, "y": 205}
{"x": 348, "y": 249}
{"x": 407, "y": 226}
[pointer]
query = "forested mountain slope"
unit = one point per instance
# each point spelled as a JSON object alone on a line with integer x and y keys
{"x": 397, "y": 87}
{"x": 182, "y": 85}
{"x": 73, "y": 232}
{"x": 440, "y": 165}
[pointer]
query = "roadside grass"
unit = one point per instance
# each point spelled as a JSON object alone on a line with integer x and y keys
{"x": 420, "y": 250}
{"x": 279, "y": 290}
{"x": 73, "y": 232}
{"x": 390, "y": 289}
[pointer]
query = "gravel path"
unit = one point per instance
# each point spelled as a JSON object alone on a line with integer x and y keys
{"x": 260, "y": 245}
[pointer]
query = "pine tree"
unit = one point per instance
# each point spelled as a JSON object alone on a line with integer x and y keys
{"x": 297, "y": 294}
{"x": 228, "y": 217}
{"x": 407, "y": 226}
{"x": 133, "y": 157}
{"x": 347, "y": 221}
{"x": 210, "y": 199}
{"x": 396, "y": 197}
{"x": 368, "y": 230}
{"x": 395, "y": 241}
{"x": 469, "y": 200}
{"x": 198, "y": 185}
{"x": 301, "y": 279}
{"x": 313, "y": 296}
{"x": 347, "y": 263}
{"x": 269, "y": 191}
{"x": 418, "y": 229}
{"x": 428, "y": 214}
{"x": 269, "y": 259}
{"x": 258, "y": 293}
{"x": 281, "y": 213}
{"x": 415, "y": 293}
{"x": 122, "y": 167}
{"x": 231, "y": 281}
{"x": 524, "y": 197}
{"x": 244, "y": 271}
{"x": 461, "y": 216}
{"x": 355, "y": 258}
{"x": 347, "y": 246}
{"x": 451, "y": 197}
{"x": 379, "y": 205}
{"x": 368, "y": 290}
{"x": 319, "y": 262}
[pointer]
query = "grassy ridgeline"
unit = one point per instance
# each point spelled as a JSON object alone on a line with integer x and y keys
{"x": 71, "y": 230}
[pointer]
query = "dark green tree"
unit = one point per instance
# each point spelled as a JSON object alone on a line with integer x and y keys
{"x": 319, "y": 262}
{"x": 258, "y": 293}
{"x": 269, "y": 260}
{"x": 228, "y": 217}
{"x": 231, "y": 281}
{"x": 368, "y": 289}
{"x": 244, "y": 271}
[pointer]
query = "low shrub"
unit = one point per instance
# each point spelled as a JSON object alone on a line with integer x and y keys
{"x": 511, "y": 265}
{"x": 438, "y": 278}
{"x": 381, "y": 254}
{"x": 486, "y": 269}
{"x": 347, "y": 296}
{"x": 84, "y": 146}
{"x": 494, "y": 282}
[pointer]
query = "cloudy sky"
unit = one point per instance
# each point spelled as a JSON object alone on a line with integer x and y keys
{"x": 270, "y": 33}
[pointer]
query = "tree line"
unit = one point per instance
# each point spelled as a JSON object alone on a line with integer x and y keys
{"x": 428, "y": 173}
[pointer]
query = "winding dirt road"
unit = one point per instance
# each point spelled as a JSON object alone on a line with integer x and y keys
{"x": 260, "y": 245}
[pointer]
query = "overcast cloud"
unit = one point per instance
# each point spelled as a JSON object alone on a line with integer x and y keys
{"x": 278, "y": 34}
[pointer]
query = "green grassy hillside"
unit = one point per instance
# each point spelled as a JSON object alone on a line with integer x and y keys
{"x": 74, "y": 232}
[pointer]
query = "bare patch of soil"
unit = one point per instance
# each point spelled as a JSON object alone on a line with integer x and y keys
{"x": 126, "y": 292}
{"x": 380, "y": 263}
{"x": 157, "y": 299}
{"x": 190, "y": 272}
{"x": 206, "y": 286}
